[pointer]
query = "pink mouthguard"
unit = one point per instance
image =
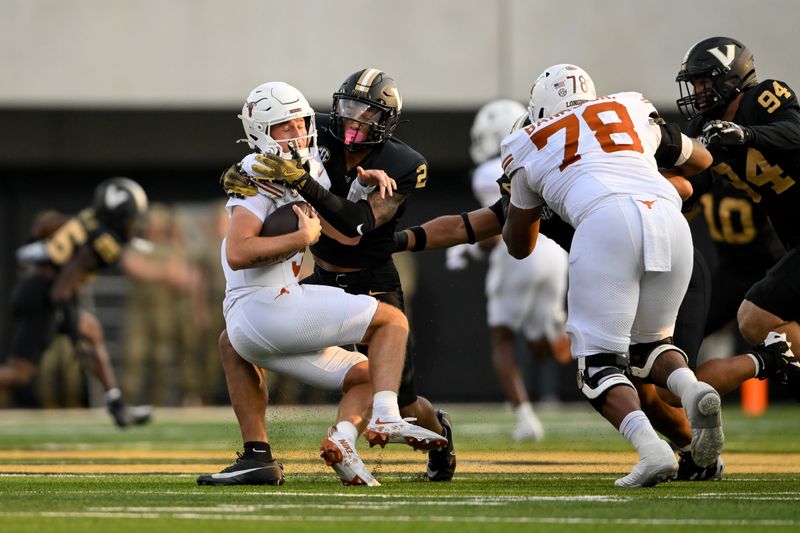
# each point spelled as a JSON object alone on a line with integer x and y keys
{"x": 354, "y": 136}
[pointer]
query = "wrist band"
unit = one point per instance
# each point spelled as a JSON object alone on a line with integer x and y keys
{"x": 468, "y": 227}
{"x": 420, "y": 238}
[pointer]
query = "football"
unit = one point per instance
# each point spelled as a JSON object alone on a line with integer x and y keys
{"x": 283, "y": 220}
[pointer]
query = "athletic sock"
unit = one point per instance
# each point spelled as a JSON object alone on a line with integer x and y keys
{"x": 384, "y": 405}
{"x": 113, "y": 395}
{"x": 637, "y": 429}
{"x": 346, "y": 429}
{"x": 257, "y": 450}
{"x": 681, "y": 381}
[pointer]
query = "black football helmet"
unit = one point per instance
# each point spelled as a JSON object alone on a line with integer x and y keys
{"x": 366, "y": 109}
{"x": 730, "y": 67}
{"x": 118, "y": 202}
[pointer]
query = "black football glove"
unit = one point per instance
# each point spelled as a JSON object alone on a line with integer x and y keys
{"x": 236, "y": 183}
{"x": 504, "y": 182}
{"x": 723, "y": 133}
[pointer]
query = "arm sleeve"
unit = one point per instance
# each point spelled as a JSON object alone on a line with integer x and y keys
{"x": 783, "y": 133}
{"x": 349, "y": 218}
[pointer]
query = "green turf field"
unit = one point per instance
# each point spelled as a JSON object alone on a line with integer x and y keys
{"x": 73, "y": 471}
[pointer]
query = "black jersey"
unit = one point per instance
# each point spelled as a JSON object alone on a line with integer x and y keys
{"x": 768, "y": 167}
{"x": 407, "y": 167}
{"x": 740, "y": 230}
{"x": 84, "y": 229}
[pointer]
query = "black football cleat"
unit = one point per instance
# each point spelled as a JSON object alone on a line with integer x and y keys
{"x": 442, "y": 462}
{"x": 689, "y": 471}
{"x": 117, "y": 410}
{"x": 246, "y": 472}
{"x": 125, "y": 415}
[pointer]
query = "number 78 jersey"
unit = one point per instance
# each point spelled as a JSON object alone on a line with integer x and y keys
{"x": 576, "y": 159}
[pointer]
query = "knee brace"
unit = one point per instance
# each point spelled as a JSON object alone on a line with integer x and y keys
{"x": 645, "y": 354}
{"x": 607, "y": 370}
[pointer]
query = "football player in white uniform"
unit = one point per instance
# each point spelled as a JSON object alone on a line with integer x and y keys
{"x": 524, "y": 296}
{"x": 594, "y": 162}
{"x": 275, "y": 323}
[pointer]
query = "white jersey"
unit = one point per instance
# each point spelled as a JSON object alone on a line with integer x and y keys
{"x": 277, "y": 324}
{"x": 484, "y": 181}
{"x": 269, "y": 198}
{"x": 577, "y": 159}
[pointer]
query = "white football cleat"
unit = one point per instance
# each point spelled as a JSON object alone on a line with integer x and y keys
{"x": 703, "y": 406}
{"x": 342, "y": 456}
{"x": 657, "y": 464}
{"x": 530, "y": 429}
{"x": 383, "y": 430}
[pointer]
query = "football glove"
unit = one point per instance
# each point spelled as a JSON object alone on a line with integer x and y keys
{"x": 504, "y": 182}
{"x": 236, "y": 183}
{"x": 723, "y": 133}
{"x": 458, "y": 256}
{"x": 274, "y": 168}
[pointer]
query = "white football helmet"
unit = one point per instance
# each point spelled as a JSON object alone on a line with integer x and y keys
{"x": 558, "y": 88}
{"x": 491, "y": 125}
{"x": 273, "y": 103}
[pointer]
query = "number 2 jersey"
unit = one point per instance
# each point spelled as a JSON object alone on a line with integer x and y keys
{"x": 576, "y": 159}
{"x": 402, "y": 163}
{"x": 768, "y": 167}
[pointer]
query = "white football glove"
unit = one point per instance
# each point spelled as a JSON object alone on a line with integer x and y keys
{"x": 458, "y": 256}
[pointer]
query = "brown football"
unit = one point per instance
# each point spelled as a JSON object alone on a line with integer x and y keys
{"x": 283, "y": 220}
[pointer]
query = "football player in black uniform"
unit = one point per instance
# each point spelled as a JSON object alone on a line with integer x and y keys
{"x": 752, "y": 130}
{"x": 746, "y": 245}
{"x": 44, "y": 301}
{"x": 354, "y": 141}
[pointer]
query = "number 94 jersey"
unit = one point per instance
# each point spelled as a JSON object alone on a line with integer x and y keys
{"x": 767, "y": 168}
{"x": 576, "y": 159}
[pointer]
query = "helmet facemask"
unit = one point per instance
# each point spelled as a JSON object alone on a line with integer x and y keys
{"x": 360, "y": 123}
{"x": 710, "y": 101}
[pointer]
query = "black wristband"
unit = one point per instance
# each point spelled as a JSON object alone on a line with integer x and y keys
{"x": 420, "y": 238}
{"x": 400, "y": 241}
{"x": 468, "y": 227}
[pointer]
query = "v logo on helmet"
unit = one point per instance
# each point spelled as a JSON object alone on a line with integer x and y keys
{"x": 115, "y": 196}
{"x": 727, "y": 58}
